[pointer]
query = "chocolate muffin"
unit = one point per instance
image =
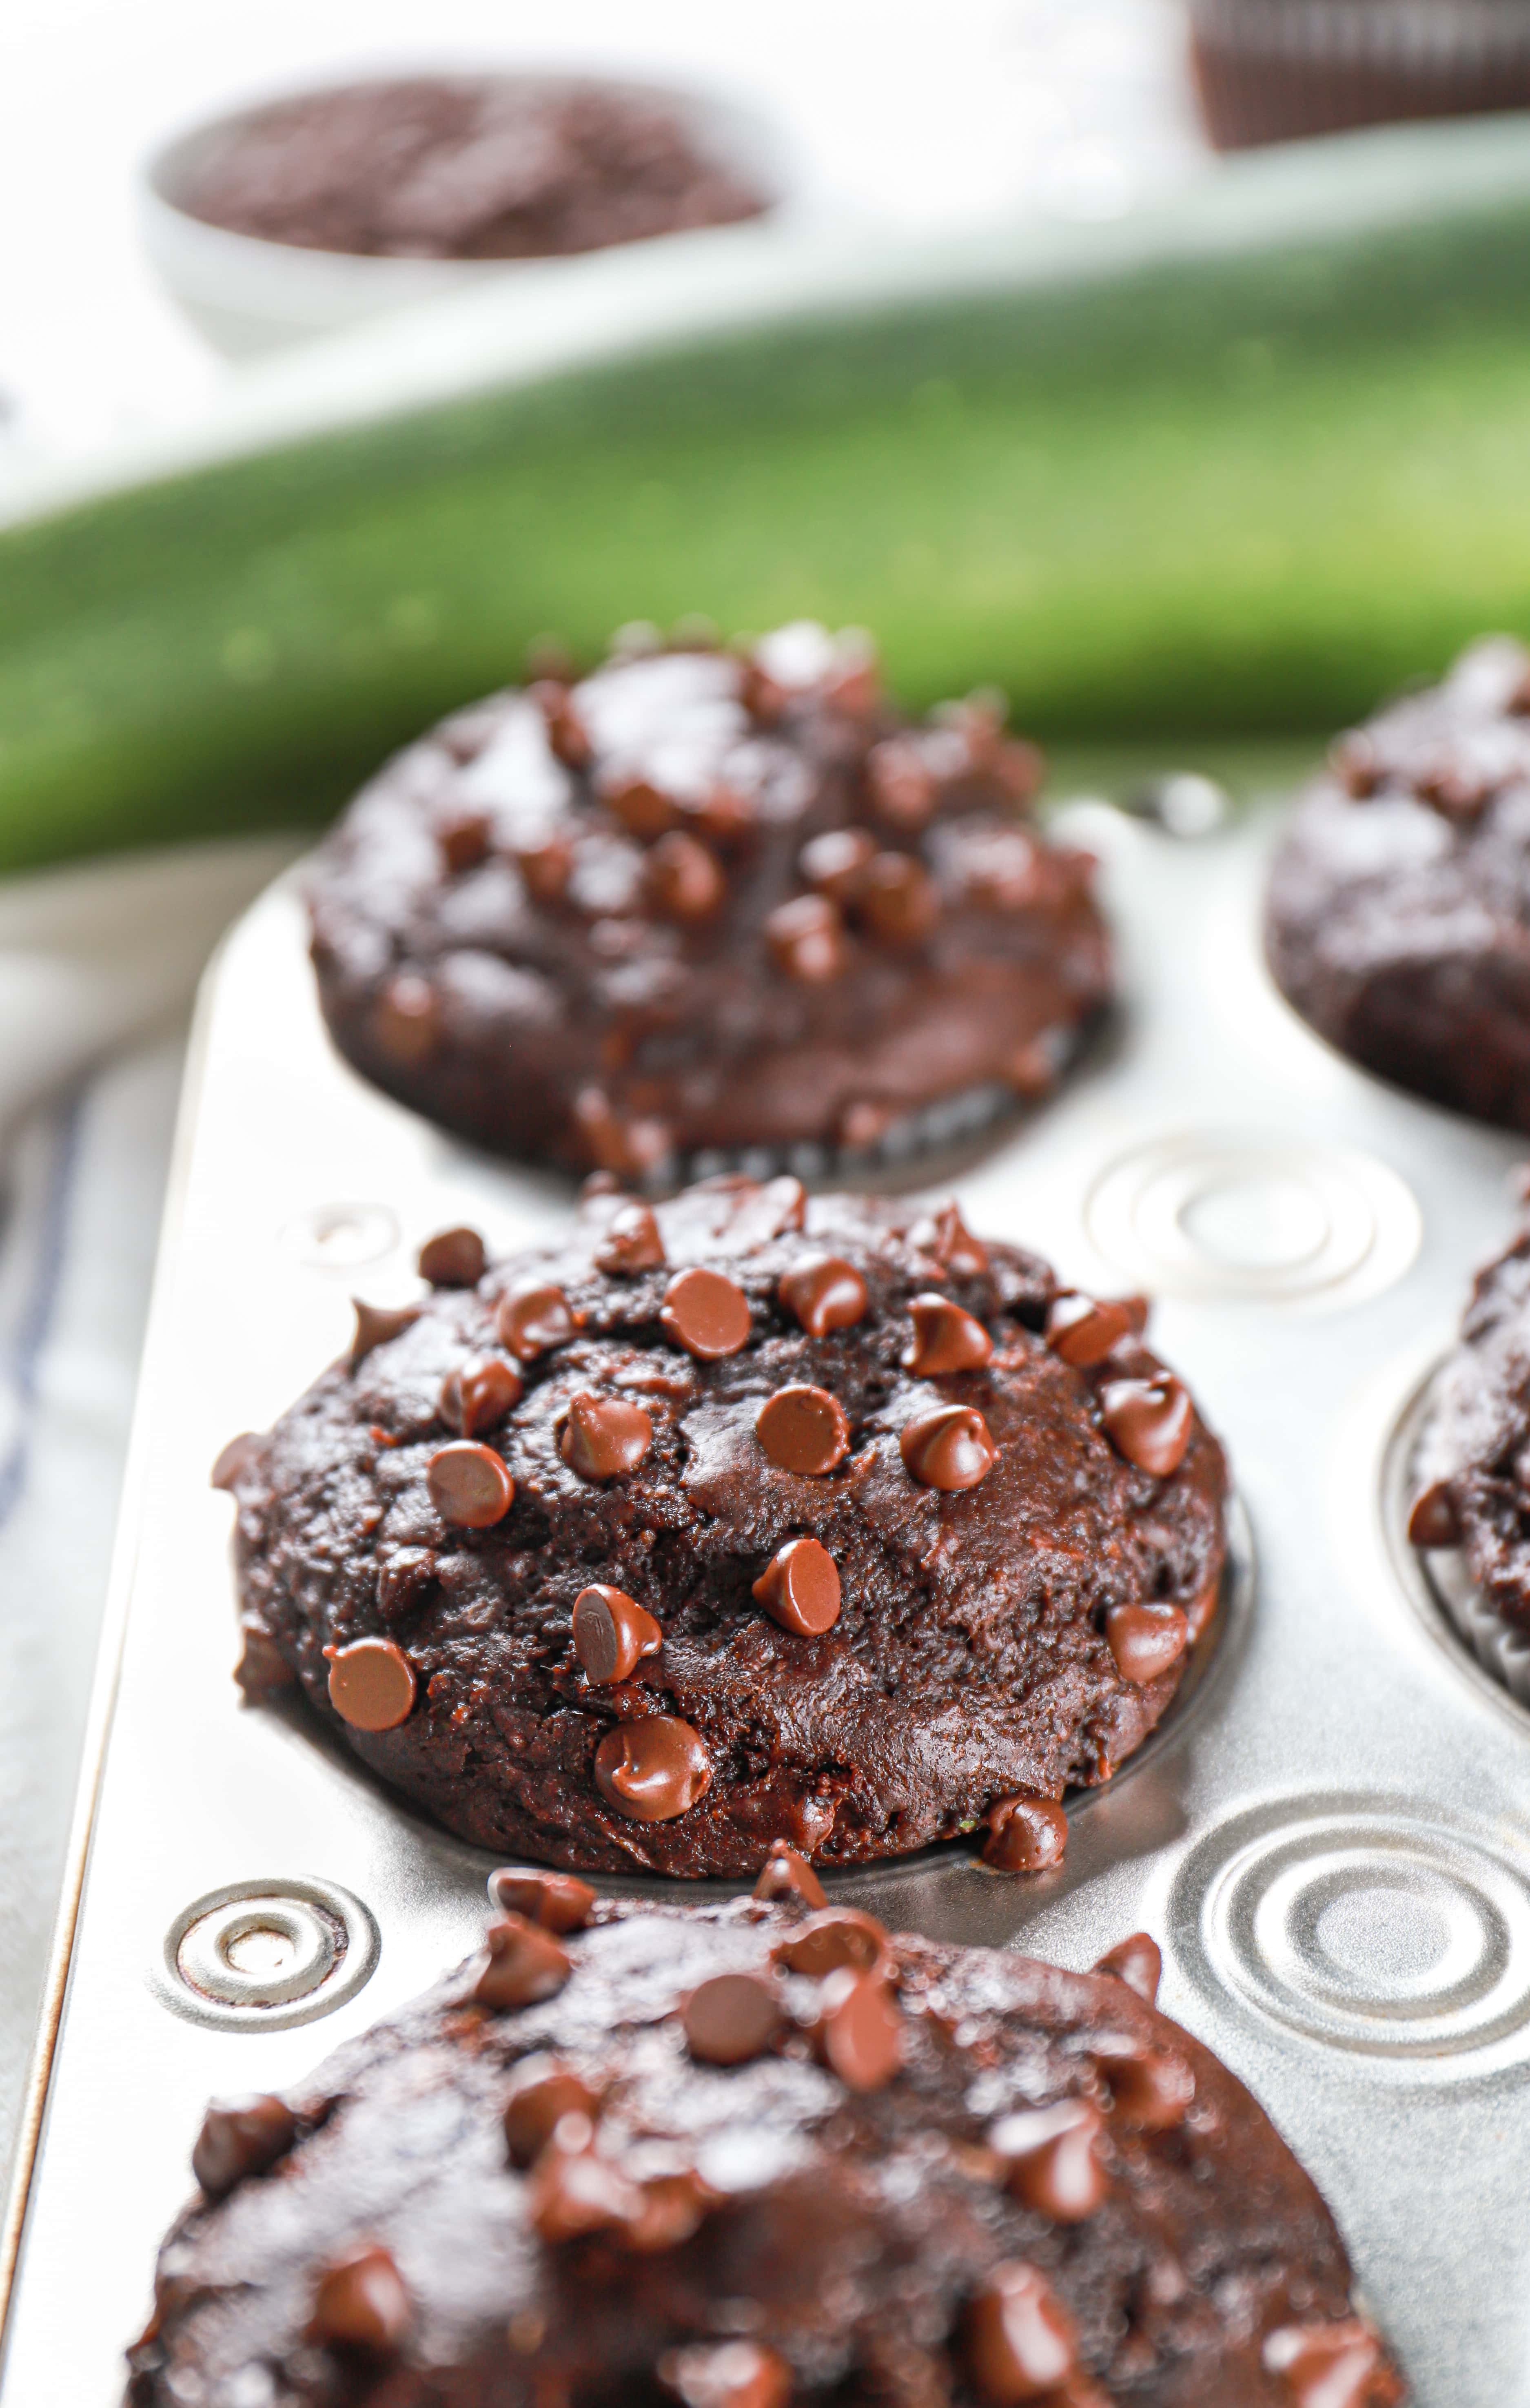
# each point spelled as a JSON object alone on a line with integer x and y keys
{"x": 1471, "y": 1474}
{"x": 702, "y": 905}
{"x": 735, "y": 2157}
{"x": 738, "y": 1519}
{"x": 1399, "y": 903}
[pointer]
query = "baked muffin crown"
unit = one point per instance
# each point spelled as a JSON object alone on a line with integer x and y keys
{"x": 739, "y": 1518}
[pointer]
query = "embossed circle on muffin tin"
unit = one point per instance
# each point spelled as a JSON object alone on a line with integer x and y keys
{"x": 258, "y": 1956}
{"x": 1371, "y": 1924}
{"x": 1250, "y": 1218}
{"x": 1494, "y": 1655}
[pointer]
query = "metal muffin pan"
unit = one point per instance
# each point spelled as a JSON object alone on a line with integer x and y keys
{"x": 1331, "y": 1835}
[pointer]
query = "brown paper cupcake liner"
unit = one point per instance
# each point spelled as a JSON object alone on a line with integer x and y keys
{"x": 1271, "y": 70}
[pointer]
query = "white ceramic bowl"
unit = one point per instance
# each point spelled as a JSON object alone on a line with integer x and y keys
{"x": 247, "y": 295}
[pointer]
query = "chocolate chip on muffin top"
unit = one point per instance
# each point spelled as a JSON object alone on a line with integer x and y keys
{"x": 779, "y": 1521}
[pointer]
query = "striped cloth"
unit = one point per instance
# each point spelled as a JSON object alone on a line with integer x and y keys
{"x": 98, "y": 969}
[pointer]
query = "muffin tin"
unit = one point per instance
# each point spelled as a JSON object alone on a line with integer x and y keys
{"x": 1330, "y": 1834}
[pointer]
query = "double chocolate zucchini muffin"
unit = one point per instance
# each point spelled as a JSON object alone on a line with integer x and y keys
{"x": 743, "y": 2155}
{"x": 1399, "y": 903}
{"x": 1471, "y": 1486}
{"x": 739, "y": 1518}
{"x": 707, "y": 904}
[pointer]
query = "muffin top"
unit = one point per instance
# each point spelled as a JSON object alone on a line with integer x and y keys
{"x": 741, "y": 1518}
{"x": 704, "y": 902}
{"x": 737, "y": 2156}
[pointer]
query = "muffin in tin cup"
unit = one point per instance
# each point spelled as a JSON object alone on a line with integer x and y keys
{"x": 740, "y": 1518}
{"x": 746, "y": 2155}
{"x": 709, "y": 909}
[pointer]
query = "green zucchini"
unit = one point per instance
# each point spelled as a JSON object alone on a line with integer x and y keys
{"x": 1226, "y": 474}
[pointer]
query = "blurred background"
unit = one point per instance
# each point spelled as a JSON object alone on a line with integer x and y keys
{"x": 913, "y": 117}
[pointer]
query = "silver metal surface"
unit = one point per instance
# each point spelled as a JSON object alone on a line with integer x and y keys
{"x": 1332, "y": 1838}
{"x": 256, "y": 1956}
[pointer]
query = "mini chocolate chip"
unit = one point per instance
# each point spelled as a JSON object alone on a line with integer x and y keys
{"x": 946, "y": 1238}
{"x": 859, "y": 2032}
{"x": 898, "y": 900}
{"x": 1052, "y": 2156}
{"x": 634, "y": 1148}
{"x": 612, "y": 1633}
{"x": 525, "y": 1965}
{"x": 376, "y": 1323}
{"x": 469, "y": 1484}
{"x": 1083, "y": 1331}
{"x": 542, "y": 2091}
{"x": 241, "y": 1454}
{"x": 949, "y": 1449}
{"x": 785, "y": 1873}
{"x": 643, "y": 808}
{"x": 261, "y": 1671}
{"x": 452, "y": 1258}
{"x": 804, "y": 1429}
{"x": 1026, "y": 1834}
{"x": 827, "y": 1942}
{"x": 371, "y": 1683}
{"x": 726, "y": 2374}
{"x": 1137, "y": 1961}
{"x": 945, "y": 1339}
{"x": 1032, "y": 1070}
{"x": 834, "y": 864}
{"x": 240, "y": 2137}
{"x": 806, "y": 938}
{"x": 1146, "y": 1639}
{"x": 361, "y": 2302}
{"x": 823, "y": 1292}
{"x": 685, "y": 878}
{"x": 604, "y": 1436}
{"x": 566, "y": 730}
{"x": 404, "y": 1020}
{"x": 652, "y": 1770}
{"x": 1021, "y": 2344}
{"x": 706, "y": 1313}
{"x": 673, "y": 2206}
{"x": 731, "y": 2018}
{"x": 1003, "y": 870}
{"x": 481, "y": 1393}
{"x": 800, "y": 1587}
{"x": 559, "y": 1901}
{"x": 575, "y": 2191}
{"x": 534, "y": 1317}
{"x": 901, "y": 782}
{"x": 463, "y": 837}
{"x": 546, "y": 866}
{"x": 1150, "y": 2092}
{"x": 1433, "y": 1521}
{"x": 630, "y": 1243}
{"x": 1149, "y": 1421}
{"x": 1324, "y": 2366}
